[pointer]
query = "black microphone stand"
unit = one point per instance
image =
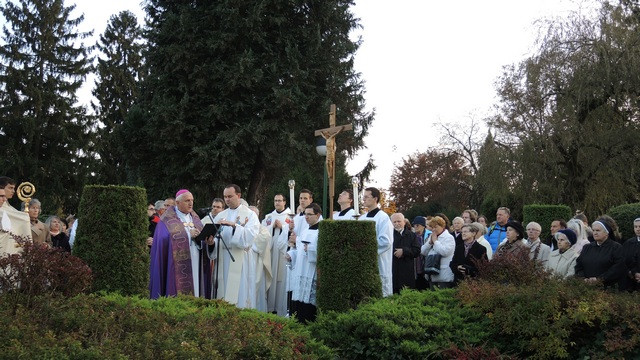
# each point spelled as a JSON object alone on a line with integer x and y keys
{"x": 215, "y": 280}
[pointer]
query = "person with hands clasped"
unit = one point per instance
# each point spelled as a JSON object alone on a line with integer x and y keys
{"x": 442, "y": 243}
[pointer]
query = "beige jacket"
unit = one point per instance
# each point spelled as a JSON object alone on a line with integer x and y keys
{"x": 563, "y": 264}
{"x": 40, "y": 233}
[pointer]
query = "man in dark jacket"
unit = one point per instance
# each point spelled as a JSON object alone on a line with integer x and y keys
{"x": 406, "y": 247}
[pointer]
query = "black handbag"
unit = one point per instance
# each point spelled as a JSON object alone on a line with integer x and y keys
{"x": 432, "y": 264}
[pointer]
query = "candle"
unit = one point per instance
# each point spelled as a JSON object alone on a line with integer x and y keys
{"x": 292, "y": 185}
{"x": 356, "y": 199}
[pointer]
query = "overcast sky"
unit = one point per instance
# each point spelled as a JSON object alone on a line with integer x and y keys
{"x": 423, "y": 62}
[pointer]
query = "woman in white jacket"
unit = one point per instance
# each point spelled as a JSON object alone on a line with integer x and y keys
{"x": 440, "y": 242}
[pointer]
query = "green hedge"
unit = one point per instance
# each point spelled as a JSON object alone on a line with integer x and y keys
{"x": 557, "y": 319}
{"x": 544, "y": 215}
{"x": 412, "y": 325}
{"x": 347, "y": 264}
{"x": 111, "y": 237}
{"x": 624, "y": 216}
{"x": 117, "y": 327}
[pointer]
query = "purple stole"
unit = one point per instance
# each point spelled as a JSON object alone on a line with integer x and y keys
{"x": 180, "y": 249}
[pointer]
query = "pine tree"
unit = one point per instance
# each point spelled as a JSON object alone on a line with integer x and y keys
{"x": 236, "y": 90}
{"x": 119, "y": 71}
{"x": 44, "y": 133}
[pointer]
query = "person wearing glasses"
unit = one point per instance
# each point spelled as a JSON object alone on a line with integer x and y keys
{"x": 277, "y": 223}
{"x": 467, "y": 253}
{"x": 537, "y": 249}
{"x": 304, "y": 294}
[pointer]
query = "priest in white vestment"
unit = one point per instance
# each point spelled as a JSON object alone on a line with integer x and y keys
{"x": 384, "y": 234}
{"x": 277, "y": 223}
{"x": 345, "y": 200}
{"x": 262, "y": 254}
{"x": 304, "y": 294}
{"x": 236, "y": 279}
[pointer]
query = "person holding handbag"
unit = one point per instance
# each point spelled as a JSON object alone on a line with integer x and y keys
{"x": 441, "y": 243}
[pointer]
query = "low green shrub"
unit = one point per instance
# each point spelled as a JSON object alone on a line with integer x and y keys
{"x": 544, "y": 215}
{"x": 411, "y": 325}
{"x": 347, "y": 264}
{"x": 624, "y": 216}
{"x": 556, "y": 319}
{"x": 117, "y": 327}
{"x": 111, "y": 237}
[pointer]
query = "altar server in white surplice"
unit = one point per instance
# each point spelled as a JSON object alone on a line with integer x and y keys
{"x": 299, "y": 225}
{"x": 345, "y": 200}
{"x": 236, "y": 281}
{"x": 277, "y": 223}
{"x": 384, "y": 234}
{"x": 304, "y": 295}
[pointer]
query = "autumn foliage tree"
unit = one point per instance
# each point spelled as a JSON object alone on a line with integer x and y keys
{"x": 432, "y": 177}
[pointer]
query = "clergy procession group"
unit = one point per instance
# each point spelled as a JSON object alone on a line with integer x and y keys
{"x": 268, "y": 265}
{"x": 271, "y": 265}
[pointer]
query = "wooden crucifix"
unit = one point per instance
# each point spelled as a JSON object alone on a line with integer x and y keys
{"x": 329, "y": 135}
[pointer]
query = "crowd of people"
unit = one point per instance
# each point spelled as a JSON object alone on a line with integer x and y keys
{"x": 270, "y": 265}
{"x": 595, "y": 253}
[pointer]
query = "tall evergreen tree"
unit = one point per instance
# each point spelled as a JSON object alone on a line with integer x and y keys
{"x": 43, "y": 131}
{"x": 571, "y": 111}
{"x": 118, "y": 71}
{"x": 236, "y": 90}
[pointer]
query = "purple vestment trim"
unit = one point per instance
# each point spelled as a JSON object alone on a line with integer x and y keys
{"x": 170, "y": 267}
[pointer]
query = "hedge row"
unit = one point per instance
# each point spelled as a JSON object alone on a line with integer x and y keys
{"x": 534, "y": 315}
{"x": 347, "y": 264}
{"x": 412, "y": 325}
{"x": 111, "y": 237}
{"x": 624, "y": 216}
{"x": 544, "y": 215}
{"x": 116, "y": 327}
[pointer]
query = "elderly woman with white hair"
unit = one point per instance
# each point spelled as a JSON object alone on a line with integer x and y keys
{"x": 580, "y": 230}
{"x": 537, "y": 249}
{"x": 562, "y": 261}
{"x": 456, "y": 227}
{"x": 601, "y": 260}
{"x": 59, "y": 238}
